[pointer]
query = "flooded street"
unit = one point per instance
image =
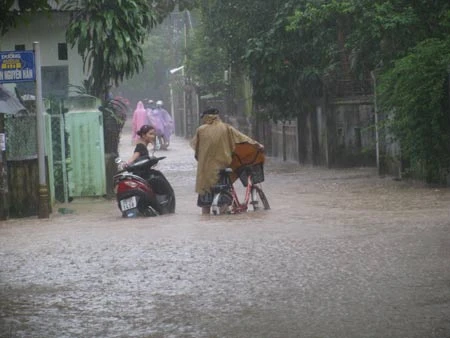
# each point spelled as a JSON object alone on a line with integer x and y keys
{"x": 341, "y": 253}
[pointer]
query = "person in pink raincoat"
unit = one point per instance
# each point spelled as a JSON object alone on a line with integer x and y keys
{"x": 139, "y": 119}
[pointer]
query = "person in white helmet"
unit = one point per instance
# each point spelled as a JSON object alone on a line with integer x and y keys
{"x": 166, "y": 123}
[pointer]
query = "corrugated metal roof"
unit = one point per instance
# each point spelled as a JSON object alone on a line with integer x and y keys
{"x": 9, "y": 103}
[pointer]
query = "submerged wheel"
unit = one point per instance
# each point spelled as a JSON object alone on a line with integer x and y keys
{"x": 222, "y": 203}
{"x": 258, "y": 199}
{"x": 165, "y": 193}
{"x": 148, "y": 211}
{"x": 172, "y": 204}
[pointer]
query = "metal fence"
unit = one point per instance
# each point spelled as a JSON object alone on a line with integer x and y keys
{"x": 21, "y": 164}
{"x": 21, "y": 141}
{"x": 21, "y": 138}
{"x": 57, "y": 152}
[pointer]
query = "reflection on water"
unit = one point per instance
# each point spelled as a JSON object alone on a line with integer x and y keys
{"x": 342, "y": 253}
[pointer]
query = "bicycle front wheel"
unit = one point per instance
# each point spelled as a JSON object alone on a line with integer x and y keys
{"x": 222, "y": 203}
{"x": 258, "y": 199}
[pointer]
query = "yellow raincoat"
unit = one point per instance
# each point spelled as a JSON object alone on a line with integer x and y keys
{"x": 215, "y": 143}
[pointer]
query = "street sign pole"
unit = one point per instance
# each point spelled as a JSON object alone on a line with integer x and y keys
{"x": 4, "y": 207}
{"x": 44, "y": 211}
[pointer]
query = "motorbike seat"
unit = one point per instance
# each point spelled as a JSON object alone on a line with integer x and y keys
{"x": 159, "y": 186}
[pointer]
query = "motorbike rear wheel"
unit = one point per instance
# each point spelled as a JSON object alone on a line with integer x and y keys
{"x": 164, "y": 190}
{"x": 148, "y": 211}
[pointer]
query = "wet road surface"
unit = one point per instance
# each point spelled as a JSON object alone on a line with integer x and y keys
{"x": 342, "y": 253}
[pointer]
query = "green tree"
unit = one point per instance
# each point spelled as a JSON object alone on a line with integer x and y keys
{"x": 295, "y": 50}
{"x": 206, "y": 64}
{"x": 222, "y": 41}
{"x": 109, "y": 37}
{"x": 416, "y": 92}
{"x": 286, "y": 65}
{"x": 406, "y": 42}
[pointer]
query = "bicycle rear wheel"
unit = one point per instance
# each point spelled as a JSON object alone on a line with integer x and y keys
{"x": 222, "y": 203}
{"x": 258, "y": 199}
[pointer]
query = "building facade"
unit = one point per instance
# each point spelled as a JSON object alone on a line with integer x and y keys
{"x": 62, "y": 66}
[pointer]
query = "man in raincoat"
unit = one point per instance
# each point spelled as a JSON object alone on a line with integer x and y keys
{"x": 215, "y": 144}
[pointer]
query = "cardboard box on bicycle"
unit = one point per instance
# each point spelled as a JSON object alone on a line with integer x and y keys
{"x": 247, "y": 156}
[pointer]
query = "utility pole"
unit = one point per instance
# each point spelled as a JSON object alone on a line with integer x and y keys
{"x": 187, "y": 104}
{"x": 43, "y": 189}
{"x": 4, "y": 207}
{"x": 375, "y": 107}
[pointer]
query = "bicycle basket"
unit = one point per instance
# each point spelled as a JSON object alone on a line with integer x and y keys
{"x": 256, "y": 170}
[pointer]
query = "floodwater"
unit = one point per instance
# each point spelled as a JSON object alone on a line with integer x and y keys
{"x": 341, "y": 253}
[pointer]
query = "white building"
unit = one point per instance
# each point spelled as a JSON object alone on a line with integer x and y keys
{"x": 61, "y": 65}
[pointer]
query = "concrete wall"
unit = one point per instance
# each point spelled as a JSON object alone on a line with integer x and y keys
{"x": 339, "y": 133}
{"x": 336, "y": 133}
{"x": 354, "y": 132}
{"x": 285, "y": 140}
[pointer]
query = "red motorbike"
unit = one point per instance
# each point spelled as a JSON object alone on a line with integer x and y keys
{"x": 142, "y": 190}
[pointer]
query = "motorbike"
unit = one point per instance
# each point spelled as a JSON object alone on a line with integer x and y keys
{"x": 142, "y": 190}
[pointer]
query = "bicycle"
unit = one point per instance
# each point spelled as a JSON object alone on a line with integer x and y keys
{"x": 225, "y": 197}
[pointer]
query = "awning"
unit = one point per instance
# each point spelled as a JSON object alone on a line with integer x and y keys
{"x": 9, "y": 103}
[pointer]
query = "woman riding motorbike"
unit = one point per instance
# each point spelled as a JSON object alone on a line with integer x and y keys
{"x": 156, "y": 196}
{"x": 146, "y": 135}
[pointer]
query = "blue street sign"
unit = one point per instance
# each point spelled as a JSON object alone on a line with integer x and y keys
{"x": 17, "y": 66}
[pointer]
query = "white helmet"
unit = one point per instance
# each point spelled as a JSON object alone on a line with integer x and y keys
{"x": 159, "y": 103}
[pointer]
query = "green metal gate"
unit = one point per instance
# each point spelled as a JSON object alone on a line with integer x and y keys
{"x": 75, "y": 149}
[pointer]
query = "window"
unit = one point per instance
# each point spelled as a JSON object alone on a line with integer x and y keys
{"x": 19, "y": 47}
{"x": 62, "y": 51}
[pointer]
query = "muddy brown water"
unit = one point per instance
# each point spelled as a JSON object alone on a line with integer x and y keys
{"x": 342, "y": 253}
